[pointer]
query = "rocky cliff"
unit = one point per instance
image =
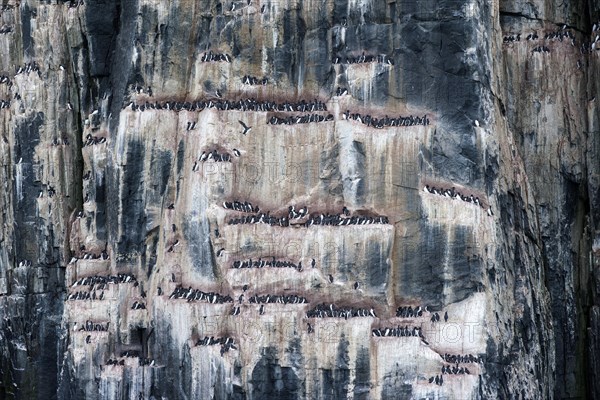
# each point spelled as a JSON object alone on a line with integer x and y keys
{"x": 299, "y": 199}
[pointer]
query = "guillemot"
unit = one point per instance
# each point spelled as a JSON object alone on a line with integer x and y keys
{"x": 246, "y": 128}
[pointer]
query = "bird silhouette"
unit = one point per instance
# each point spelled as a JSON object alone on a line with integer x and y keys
{"x": 246, "y": 127}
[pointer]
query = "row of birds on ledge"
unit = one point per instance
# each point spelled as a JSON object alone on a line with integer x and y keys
{"x": 93, "y": 140}
{"x": 247, "y": 104}
{"x": 560, "y": 35}
{"x": 83, "y": 295}
{"x": 453, "y": 194}
{"x": 314, "y": 219}
{"x": 398, "y": 332}
{"x": 267, "y": 106}
{"x": 90, "y": 326}
{"x": 455, "y": 370}
{"x": 386, "y": 121}
{"x": 215, "y": 156}
{"x": 211, "y": 341}
{"x": 541, "y": 49}
{"x": 28, "y": 68}
{"x": 190, "y": 295}
{"x": 299, "y": 119}
{"x": 260, "y": 263}
{"x": 226, "y": 343}
{"x": 241, "y": 206}
{"x": 215, "y": 57}
{"x": 331, "y": 311}
{"x": 278, "y": 299}
{"x": 60, "y": 142}
{"x": 105, "y": 279}
{"x": 25, "y": 263}
{"x": 439, "y": 380}
{"x": 87, "y": 255}
{"x": 364, "y": 58}
{"x": 252, "y": 80}
{"x": 138, "y": 305}
{"x": 268, "y": 299}
{"x": 460, "y": 359}
{"x": 338, "y": 220}
{"x": 408, "y": 312}
{"x": 141, "y": 362}
{"x": 115, "y": 362}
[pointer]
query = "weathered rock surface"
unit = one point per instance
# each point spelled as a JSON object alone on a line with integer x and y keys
{"x": 103, "y": 177}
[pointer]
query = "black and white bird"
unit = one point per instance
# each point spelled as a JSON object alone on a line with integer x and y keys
{"x": 221, "y": 250}
{"x": 246, "y": 127}
{"x": 236, "y": 152}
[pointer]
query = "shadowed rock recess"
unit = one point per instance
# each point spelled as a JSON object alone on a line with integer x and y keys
{"x": 287, "y": 199}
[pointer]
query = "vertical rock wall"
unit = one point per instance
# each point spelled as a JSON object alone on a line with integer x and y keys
{"x": 125, "y": 148}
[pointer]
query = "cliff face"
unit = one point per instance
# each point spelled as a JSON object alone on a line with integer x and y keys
{"x": 134, "y": 133}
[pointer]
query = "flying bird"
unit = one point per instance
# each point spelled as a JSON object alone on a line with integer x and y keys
{"x": 246, "y": 128}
